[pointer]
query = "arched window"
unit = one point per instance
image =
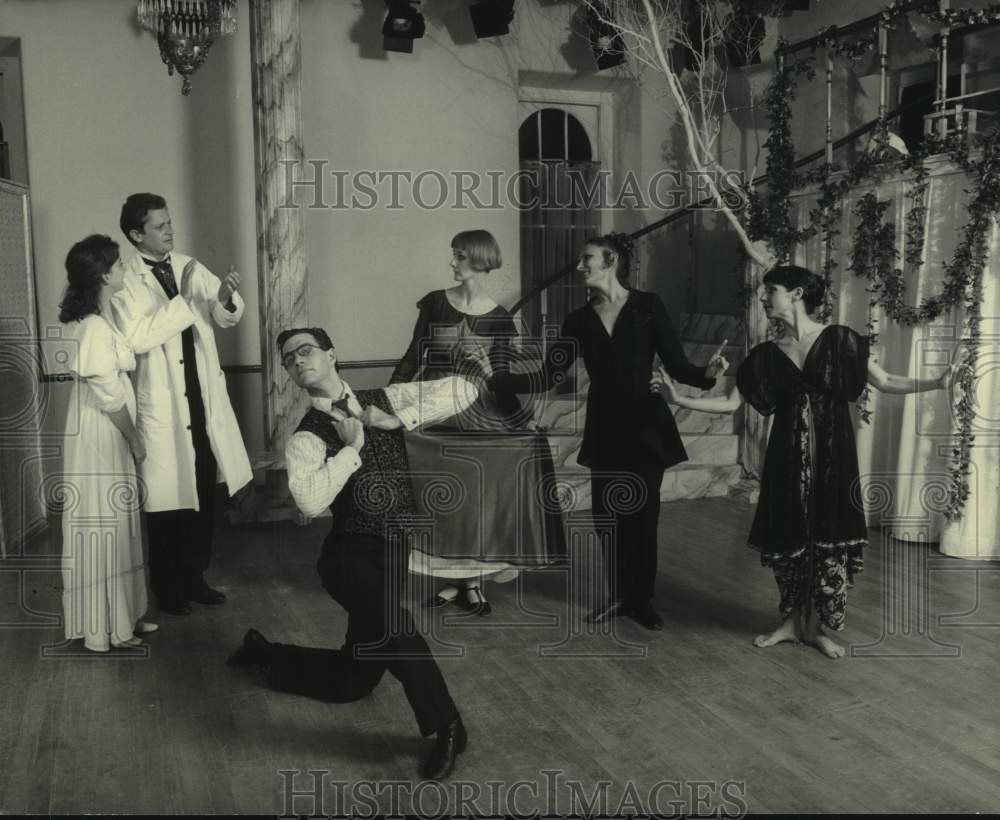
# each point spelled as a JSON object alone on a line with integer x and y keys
{"x": 557, "y": 153}
{"x": 552, "y": 134}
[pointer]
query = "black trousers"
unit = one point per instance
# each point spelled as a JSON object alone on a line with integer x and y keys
{"x": 366, "y": 577}
{"x": 180, "y": 541}
{"x": 626, "y": 507}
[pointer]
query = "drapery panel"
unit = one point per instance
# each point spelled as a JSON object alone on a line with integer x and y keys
{"x": 904, "y": 453}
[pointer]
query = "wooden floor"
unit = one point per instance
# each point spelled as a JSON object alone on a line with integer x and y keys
{"x": 692, "y": 719}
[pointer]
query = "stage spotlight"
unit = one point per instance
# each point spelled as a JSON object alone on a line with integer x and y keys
{"x": 491, "y": 18}
{"x": 403, "y": 24}
{"x": 605, "y": 41}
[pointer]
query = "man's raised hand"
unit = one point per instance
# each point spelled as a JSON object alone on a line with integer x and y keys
{"x": 186, "y": 277}
{"x": 230, "y": 284}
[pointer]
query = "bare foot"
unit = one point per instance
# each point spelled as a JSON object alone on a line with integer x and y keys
{"x": 814, "y": 636}
{"x": 788, "y": 631}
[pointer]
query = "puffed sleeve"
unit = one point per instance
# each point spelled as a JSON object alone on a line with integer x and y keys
{"x": 409, "y": 365}
{"x": 95, "y": 364}
{"x": 755, "y": 381}
{"x": 850, "y": 357}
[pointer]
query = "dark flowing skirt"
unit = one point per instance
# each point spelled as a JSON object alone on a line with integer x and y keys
{"x": 489, "y": 490}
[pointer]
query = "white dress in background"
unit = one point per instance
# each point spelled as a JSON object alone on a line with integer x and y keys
{"x": 104, "y": 577}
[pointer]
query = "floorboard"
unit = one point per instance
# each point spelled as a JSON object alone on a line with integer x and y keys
{"x": 695, "y": 715}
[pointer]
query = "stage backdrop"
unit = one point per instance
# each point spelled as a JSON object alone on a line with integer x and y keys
{"x": 904, "y": 451}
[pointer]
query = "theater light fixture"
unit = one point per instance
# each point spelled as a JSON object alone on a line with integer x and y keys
{"x": 492, "y": 18}
{"x": 605, "y": 40}
{"x": 403, "y": 24}
{"x": 185, "y": 31}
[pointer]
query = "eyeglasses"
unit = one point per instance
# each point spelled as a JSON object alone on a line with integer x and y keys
{"x": 302, "y": 350}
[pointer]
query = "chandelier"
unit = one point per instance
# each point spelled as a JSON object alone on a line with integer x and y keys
{"x": 186, "y": 29}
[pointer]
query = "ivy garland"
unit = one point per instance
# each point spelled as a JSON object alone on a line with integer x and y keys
{"x": 964, "y": 17}
{"x": 769, "y": 217}
{"x": 826, "y": 216}
{"x": 856, "y": 48}
{"x": 874, "y": 254}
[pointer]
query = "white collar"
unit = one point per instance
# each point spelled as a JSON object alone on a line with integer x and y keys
{"x": 325, "y": 403}
{"x": 143, "y": 267}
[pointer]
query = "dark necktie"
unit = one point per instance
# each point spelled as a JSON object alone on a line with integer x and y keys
{"x": 342, "y": 406}
{"x": 164, "y": 273}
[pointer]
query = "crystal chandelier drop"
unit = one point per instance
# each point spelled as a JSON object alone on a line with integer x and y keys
{"x": 186, "y": 29}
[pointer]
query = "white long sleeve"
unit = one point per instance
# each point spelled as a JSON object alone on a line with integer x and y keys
{"x": 142, "y": 323}
{"x": 420, "y": 403}
{"x": 210, "y": 285}
{"x": 313, "y": 479}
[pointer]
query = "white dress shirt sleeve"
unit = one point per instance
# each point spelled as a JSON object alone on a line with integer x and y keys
{"x": 313, "y": 479}
{"x": 419, "y": 403}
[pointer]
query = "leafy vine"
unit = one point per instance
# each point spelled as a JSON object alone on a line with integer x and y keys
{"x": 874, "y": 254}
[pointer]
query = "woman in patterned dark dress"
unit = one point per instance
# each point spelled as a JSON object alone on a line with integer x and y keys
{"x": 810, "y": 525}
{"x": 486, "y": 479}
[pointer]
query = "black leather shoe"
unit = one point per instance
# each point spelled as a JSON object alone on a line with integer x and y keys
{"x": 450, "y": 743}
{"x": 648, "y": 617}
{"x": 605, "y": 612}
{"x": 254, "y": 651}
{"x": 207, "y": 596}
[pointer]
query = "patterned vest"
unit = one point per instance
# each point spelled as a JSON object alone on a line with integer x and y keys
{"x": 380, "y": 490}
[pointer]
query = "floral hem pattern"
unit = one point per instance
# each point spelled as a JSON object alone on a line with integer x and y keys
{"x": 819, "y": 577}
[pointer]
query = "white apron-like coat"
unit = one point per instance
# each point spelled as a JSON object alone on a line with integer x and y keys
{"x": 153, "y": 324}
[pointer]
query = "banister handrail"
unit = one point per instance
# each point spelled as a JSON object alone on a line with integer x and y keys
{"x": 836, "y": 32}
{"x": 860, "y": 131}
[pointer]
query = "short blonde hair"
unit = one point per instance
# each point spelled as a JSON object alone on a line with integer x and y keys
{"x": 480, "y": 246}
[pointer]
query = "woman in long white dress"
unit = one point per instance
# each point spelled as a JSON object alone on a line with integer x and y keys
{"x": 104, "y": 578}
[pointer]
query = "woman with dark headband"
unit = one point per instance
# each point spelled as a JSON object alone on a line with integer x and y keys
{"x": 628, "y": 439}
{"x": 809, "y": 525}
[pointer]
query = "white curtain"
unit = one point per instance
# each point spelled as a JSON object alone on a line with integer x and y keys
{"x": 904, "y": 452}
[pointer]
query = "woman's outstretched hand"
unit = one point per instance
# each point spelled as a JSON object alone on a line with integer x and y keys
{"x": 662, "y": 383}
{"x": 717, "y": 365}
{"x": 371, "y": 416}
{"x": 956, "y": 372}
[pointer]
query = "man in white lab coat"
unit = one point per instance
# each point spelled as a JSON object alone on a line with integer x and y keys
{"x": 184, "y": 414}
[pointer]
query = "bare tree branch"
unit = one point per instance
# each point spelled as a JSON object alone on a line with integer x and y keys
{"x": 689, "y": 44}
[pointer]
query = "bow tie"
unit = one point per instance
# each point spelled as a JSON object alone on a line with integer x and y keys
{"x": 342, "y": 406}
{"x": 164, "y": 272}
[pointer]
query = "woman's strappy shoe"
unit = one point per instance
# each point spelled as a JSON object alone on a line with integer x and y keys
{"x": 437, "y": 601}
